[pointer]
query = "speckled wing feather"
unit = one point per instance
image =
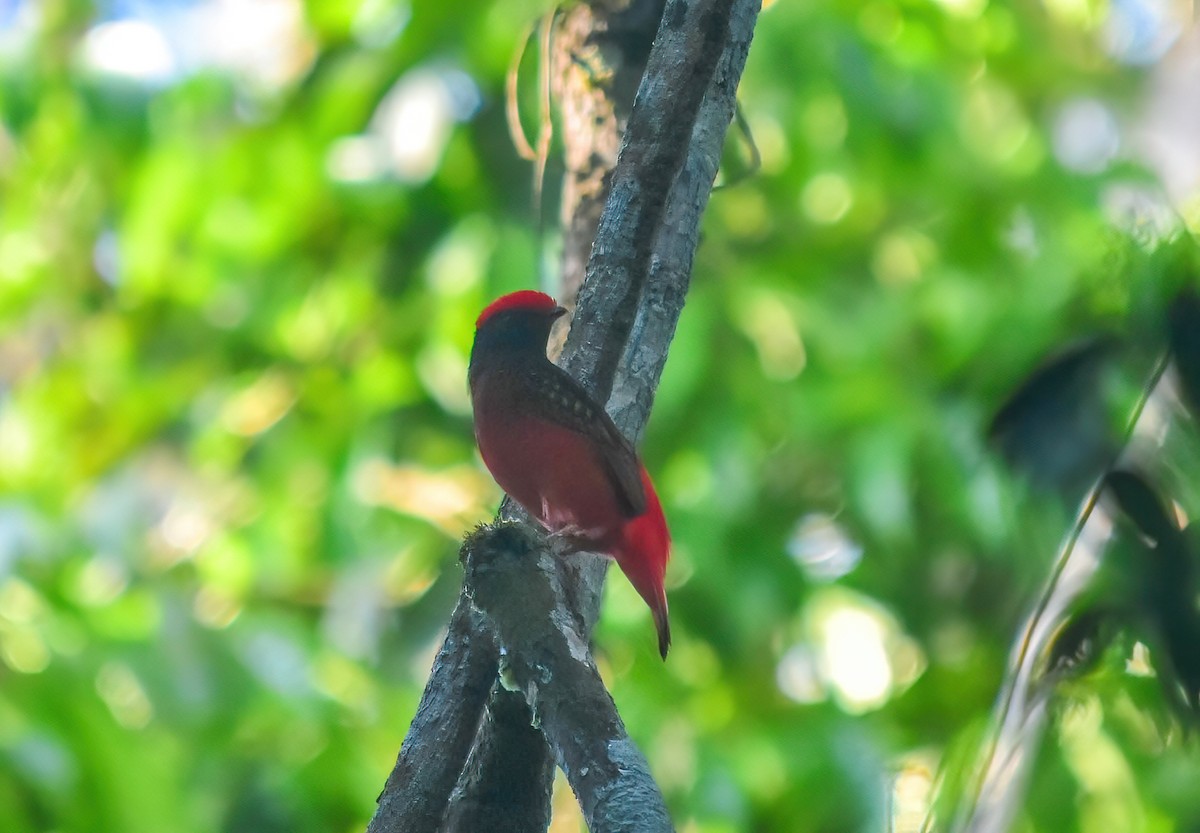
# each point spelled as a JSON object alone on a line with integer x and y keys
{"x": 566, "y": 403}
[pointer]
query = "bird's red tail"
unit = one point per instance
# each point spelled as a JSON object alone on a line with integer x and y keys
{"x": 642, "y": 555}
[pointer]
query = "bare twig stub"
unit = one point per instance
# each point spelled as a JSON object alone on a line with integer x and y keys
{"x": 516, "y": 585}
{"x": 540, "y": 607}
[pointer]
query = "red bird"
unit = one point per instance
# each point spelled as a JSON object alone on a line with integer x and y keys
{"x": 558, "y": 454}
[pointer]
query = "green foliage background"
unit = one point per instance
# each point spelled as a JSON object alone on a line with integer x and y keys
{"x": 236, "y": 453}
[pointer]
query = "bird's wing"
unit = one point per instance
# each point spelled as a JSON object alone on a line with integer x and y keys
{"x": 569, "y": 405}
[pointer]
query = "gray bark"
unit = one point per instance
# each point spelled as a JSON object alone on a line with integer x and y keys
{"x": 539, "y": 606}
{"x": 644, "y": 351}
{"x": 443, "y": 730}
{"x": 505, "y": 787}
{"x": 599, "y": 58}
{"x": 517, "y": 585}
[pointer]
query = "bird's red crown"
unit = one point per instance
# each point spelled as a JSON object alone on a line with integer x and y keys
{"x": 527, "y": 299}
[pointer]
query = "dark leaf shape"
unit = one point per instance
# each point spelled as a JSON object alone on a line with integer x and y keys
{"x": 1183, "y": 320}
{"x": 1167, "y": 589}
{"x": 1054, "y": 427}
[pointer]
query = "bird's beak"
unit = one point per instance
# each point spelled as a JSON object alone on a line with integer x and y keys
{"x": 558, "y": 312}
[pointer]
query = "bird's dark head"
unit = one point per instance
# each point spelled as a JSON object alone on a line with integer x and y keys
{"x": 519, "y": 320}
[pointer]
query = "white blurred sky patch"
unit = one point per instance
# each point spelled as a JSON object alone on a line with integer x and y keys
{"x": 18, "y": 23}
{"x": 133, "y": 49}
{"x": 822, "y": 548}
{"x": 264, "y": 44}
{"x": 1085, "y": 135}
{"x": 1165, "y": 132}
{"x": 1139, "y": 32}
{"x": 411, "y": 126}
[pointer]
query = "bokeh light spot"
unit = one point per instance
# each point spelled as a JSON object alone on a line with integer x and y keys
{"x": 134, "y": 49}
{"x": 822, "y": 548}
{"x": 798, "y": 675}
{"x": 769, "y": 323}
{"x": 1085, "y": 136}
{"x": 862, "y": 654}
{"x": 826, "y": 198}
{"x": 122, "y": 692}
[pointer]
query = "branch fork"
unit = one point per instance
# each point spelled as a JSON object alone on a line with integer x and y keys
{"x": 514, "y": 689}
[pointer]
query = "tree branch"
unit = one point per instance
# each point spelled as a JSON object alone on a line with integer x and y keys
{"x": 599, "y": 58}
{"x": 648, "y": 273}
{"x": 516, "y": 585}
{"x": 630, "y": 303}
{"x": 641, "y": 355}
{"x": 441, "y": 734}
{"x": 678, "y": 237}
{"x": 691, "y": 40}
{"x": 506, "y": 785}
